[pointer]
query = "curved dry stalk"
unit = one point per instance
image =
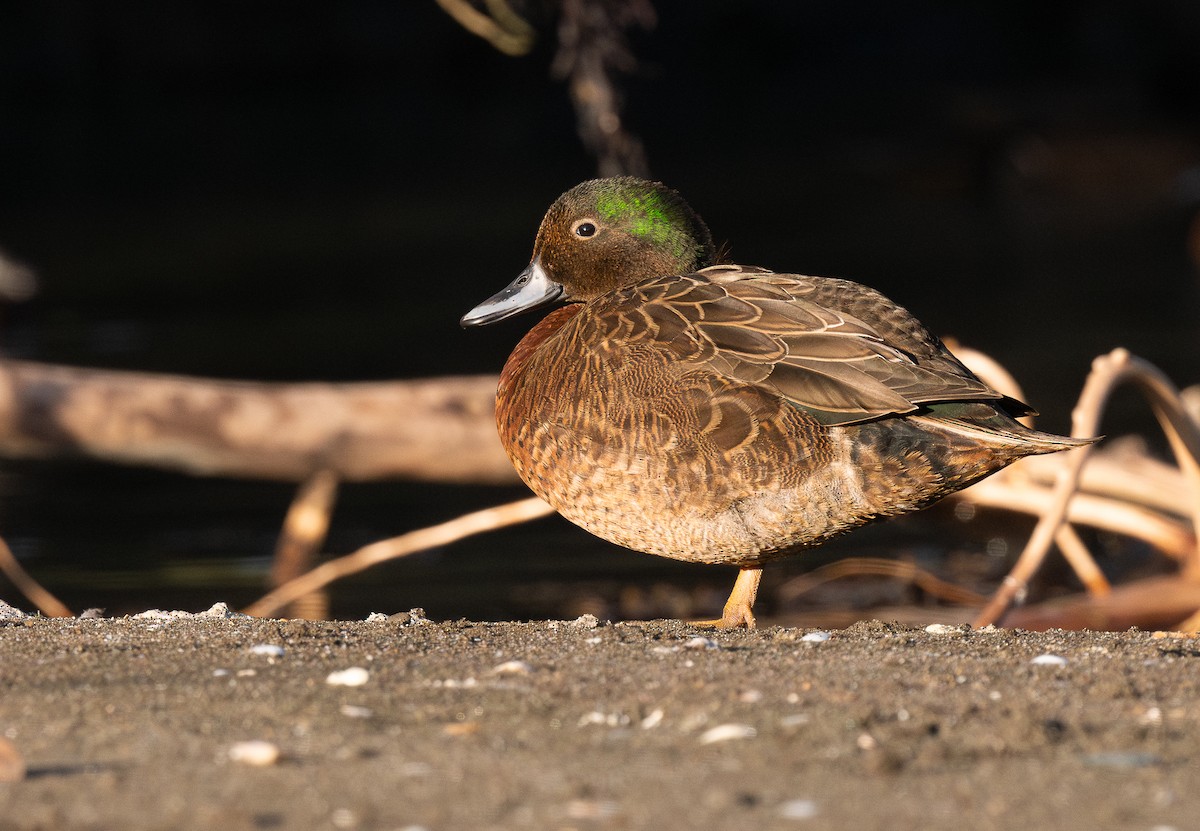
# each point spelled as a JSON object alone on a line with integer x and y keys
{"x": 1191, "y": 401}
{"x": 1173, "y": 538}
{"x": 47, "y": 603}
{"x": 899, "y": 569}
{"x": 1080, "y": 559}
{"x": 303, "y": 534}
{"x": 593, "y": 48}
{"x": 1149, "y": 603}
{"x": 1108, "y": 371}
{"x": 467, "y": 525}
{"x": 1123, "y": 475}
{"x": 504, "y": 29}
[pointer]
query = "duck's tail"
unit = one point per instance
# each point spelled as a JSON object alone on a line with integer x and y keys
{"x": 978, "y": 422}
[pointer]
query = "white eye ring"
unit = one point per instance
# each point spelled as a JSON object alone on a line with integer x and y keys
{"x": 584, "y": 228}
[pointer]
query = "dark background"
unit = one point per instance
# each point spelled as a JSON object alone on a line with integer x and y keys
{"x": 274, "y": 191}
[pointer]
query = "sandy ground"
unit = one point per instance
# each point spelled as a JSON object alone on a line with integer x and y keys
{"x": 136, "y": 723}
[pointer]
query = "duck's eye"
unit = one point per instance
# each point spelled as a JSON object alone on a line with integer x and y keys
{"x": 585, "y": 229}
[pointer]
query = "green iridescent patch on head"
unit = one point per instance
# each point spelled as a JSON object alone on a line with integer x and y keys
{"x": 646, "y": 213}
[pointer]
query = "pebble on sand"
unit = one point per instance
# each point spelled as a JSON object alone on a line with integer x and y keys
{"x": 350, "y": 677}
{"x": 1048, "y": 660}
{"x": 653, "y": 719}
{"x": 727, "y": 732}
{"x": 798, "y": 809}
{"x": 270, "y": 650}
{"x": 512, "y": 668}
{"x": 256, "y": 753}
{"x": 218, "y": 611}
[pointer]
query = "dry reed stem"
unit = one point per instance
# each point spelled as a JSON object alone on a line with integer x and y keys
{"x": 504, "y": 29}
{"x": 47, "y": 603}
{"x": 1155, "y": 602}
{"x": 1073, "y": 549}
{"x": 1108, "y": 371}
{"x": 1080, "y": 559}
{"x": 1174, "y": 538}
{"x": 303, "y": 534}
{"x": 1126, "y": 476}
{"x": 593, "y": 51}
{"x": 899, "y": 569}
{"x": 467, "y": 525}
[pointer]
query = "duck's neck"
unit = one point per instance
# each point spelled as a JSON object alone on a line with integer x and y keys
{"x": 533, "y": 339}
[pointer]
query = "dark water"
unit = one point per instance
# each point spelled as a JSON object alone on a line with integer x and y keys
{"x": 324, "y": 202}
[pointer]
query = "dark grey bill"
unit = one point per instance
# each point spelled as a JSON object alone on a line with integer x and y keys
{"x": 531, "y": 290}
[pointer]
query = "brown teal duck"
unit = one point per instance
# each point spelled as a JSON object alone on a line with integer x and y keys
{"x": 724, "y": 413}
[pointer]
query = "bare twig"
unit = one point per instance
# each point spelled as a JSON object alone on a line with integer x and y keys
{"x": 1080, "y": 559}
{"x": 592, "y": 49}
{"x": 503, "y": 28}
{"x": 1107, "y": 372}
{"x": 49, "y": 605}
{"x": 304, "y": 531}
{"x": 1125, "y": 475}
{"x": 464, "y": 526}
{"x": 1152, "y": 602}
{"x": 1073, "y": 549}
{"x": 1191, "y": 402}
{"x": 1173, "y": 538}
{"x": 899, "y": 569}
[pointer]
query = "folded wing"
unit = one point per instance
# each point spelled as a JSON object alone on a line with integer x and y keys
{"x": 840, "y": 351}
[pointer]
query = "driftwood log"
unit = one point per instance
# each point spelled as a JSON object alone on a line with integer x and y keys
{"x": 437, "y": 429}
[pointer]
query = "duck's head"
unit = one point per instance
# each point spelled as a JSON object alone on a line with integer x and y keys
{"x": 600, "y": 236}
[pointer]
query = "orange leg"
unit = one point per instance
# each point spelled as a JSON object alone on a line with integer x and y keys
{"x": 737, "y": 608}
